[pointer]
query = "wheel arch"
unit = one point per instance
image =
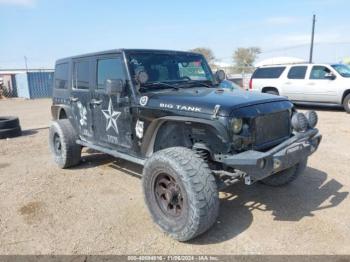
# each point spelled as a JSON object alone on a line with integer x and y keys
{"x": 267, "y": 88}
{"x": 61, "y": 112}
{"x": 147, "y": 148}
{"x": 345, "y": 93}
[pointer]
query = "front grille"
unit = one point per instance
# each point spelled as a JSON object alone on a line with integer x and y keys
{"x": 271, "y": 127}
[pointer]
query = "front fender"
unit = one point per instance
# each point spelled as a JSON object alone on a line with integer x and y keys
{"x": 147, "y": 146}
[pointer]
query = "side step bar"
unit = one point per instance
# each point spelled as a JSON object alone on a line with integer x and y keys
{"x": 115, "y": 153}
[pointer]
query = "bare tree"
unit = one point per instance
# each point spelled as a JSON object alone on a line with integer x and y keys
{"x": 206, "y": 52}
{"x": 245, "y": 57}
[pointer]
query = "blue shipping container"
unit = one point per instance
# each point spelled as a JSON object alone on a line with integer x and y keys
{"x": 35, "y": 84}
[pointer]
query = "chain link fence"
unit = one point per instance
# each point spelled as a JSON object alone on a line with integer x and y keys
{"x": 7, "y": 86}
{"x": 31, "y": 84}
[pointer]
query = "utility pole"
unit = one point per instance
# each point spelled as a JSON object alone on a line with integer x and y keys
{"x": 312, "y": 38}
{"x": 25, "y": 62}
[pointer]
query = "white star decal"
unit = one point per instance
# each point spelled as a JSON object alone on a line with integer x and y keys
{"x": 111, "y": 117}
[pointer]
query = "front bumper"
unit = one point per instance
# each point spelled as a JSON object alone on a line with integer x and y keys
{"x": 258, "y": 165}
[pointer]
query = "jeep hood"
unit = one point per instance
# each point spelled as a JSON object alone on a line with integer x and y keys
{"x": 204, "y": 100}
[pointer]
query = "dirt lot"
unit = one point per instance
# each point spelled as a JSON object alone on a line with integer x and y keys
{"x": 97, "y": 207}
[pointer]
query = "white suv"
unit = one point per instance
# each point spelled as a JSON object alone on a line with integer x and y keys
{"x": 311, "y": 83}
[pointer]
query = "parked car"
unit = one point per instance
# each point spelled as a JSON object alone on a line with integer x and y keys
{"x": 163, "y": 110}
{"x": 311, "y": 83}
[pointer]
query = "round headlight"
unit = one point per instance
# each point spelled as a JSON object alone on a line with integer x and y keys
{"x": 300, "y": 122}
{"x": 237, "y": 124}
{"x": 312, "y": 118}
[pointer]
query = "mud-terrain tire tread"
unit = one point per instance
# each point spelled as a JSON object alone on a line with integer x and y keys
{"x": 10, "y": 133}
{"x": 346, "y": 103}
{"x": 9, "y": 122}
{"x": 200, "y": 185}
{"x": 285, "y": 177}
{"x": 71, "y": 151}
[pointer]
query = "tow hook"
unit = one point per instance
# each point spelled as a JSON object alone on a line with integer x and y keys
{"x": 247, "y": 180}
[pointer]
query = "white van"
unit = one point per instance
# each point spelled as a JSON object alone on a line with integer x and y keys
{"x": 310, "y": 83}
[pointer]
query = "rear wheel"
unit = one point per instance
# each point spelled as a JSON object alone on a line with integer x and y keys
{"x": 180, "y": 192}
{"x": 62, "y": 139}
{"x": 284, "y": 177}
{"x": 346, "y": 103}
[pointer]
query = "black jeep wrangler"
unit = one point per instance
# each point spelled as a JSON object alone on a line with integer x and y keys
{"x": 165, "y": 110}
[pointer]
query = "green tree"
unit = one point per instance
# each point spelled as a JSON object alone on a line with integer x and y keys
{"x": 206, "y": 52}
{"x": 244, "y": 58}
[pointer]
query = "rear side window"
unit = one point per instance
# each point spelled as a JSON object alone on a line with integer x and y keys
{"x": 297, "y": 72}
{"x": 61, "y": 76}
{"x": 81, "y": 75}
{"x": 268, "y": 72}
{"x": 111, "y": 68}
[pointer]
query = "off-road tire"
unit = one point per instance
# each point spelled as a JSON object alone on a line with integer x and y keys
{"x": 198, "y": 189}
{"x": 286, "y": 176}
{"x": 10, "y": 133}
{"x": 8, "y": 122}
{"x": 346, "y": 103}
{"x": 70, "y": 152}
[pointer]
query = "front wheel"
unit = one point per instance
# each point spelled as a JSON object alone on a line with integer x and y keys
{"x": 346, "y": 103}
{"x": 180, "y": 192}
{"x": 286, "y": 176}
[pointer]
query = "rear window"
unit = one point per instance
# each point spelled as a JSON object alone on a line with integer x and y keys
{"x": 297, "y": 72}
{"x": 61, "y": 76}
{"x": 268, "y": 72}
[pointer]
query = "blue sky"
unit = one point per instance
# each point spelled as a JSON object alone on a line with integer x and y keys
{"x": 45, "y": 30}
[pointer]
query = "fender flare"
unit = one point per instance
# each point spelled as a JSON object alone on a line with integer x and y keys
{"x": 152, "y": 130}
{"x": 57, "y": 109}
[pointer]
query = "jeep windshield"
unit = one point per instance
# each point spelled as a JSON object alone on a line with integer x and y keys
{"x": 170, "y": 70}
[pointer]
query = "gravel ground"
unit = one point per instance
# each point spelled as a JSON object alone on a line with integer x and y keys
{"x": 97, "y": 207}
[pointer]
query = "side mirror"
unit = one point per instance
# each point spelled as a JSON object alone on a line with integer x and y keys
{"x": 330, "y": 76}
{"x": 220, "y": 75}
{"x": 114, "y": 86}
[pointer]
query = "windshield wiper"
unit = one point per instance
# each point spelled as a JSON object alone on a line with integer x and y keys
{"x": 197, "y": 82}
{"x": 158, "y": 83}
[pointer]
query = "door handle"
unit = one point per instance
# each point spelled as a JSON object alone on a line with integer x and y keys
{"x": 73, "y": 99}
{"x": 288, "y": 83}
{"x": 311, "y": 84}
{"x": 95, "y": 102}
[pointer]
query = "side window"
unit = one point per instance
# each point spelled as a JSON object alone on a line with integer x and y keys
{"x": 81, "y": 75}
{"x": 268, "y": 72}
{"x": 297, "y": 72}
{"x": 319, "y": 72}
{"x": 61, "y": 76}
{"x": 110, "y": 68}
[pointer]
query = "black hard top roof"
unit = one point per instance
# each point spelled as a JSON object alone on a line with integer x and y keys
{"x": 120, "y": 51}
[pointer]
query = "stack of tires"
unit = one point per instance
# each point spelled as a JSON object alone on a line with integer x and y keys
{"x": 9, "y": 127}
